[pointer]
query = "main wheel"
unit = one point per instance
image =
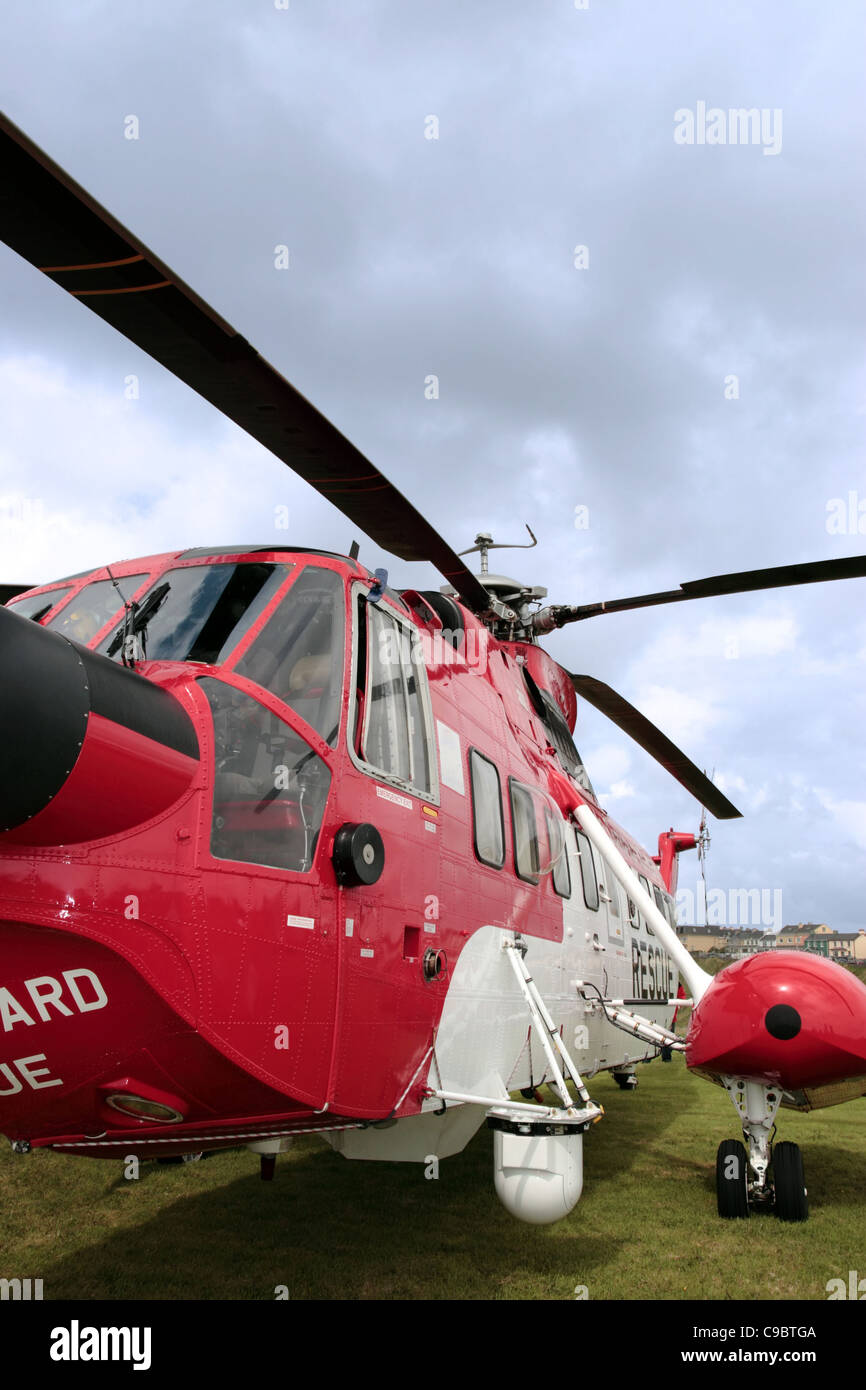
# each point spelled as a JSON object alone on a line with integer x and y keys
{"x": 732, "y": 1177}
{"x": 792, "y": 1203}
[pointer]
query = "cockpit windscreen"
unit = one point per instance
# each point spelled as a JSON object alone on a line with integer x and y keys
{"x": 196, "y": 613}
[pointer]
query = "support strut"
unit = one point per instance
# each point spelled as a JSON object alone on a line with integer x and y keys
{"x": 756, "y": 1104}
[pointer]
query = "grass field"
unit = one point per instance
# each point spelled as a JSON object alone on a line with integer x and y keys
{"x": 645, "y": 1228}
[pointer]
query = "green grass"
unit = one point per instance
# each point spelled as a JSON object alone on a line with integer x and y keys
{"x": 645, "y": 1228}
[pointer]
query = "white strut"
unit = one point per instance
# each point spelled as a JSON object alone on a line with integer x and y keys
{"x": 546, "y": 1029}
{"x": 698, "y": 980}
{"x": 514, "y": 1112}
{"x": 653, "y": 1033}
{"x": 537, "y": 1149}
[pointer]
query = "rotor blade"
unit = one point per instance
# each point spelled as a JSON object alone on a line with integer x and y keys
{"x": 56, "y": 226}
{"x": 638, "y": 727}
{"x": 8, "y": 591}
{"x": 746, "y": 581}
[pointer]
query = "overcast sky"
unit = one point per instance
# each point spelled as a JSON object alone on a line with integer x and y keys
{"x": 693, "y": 377}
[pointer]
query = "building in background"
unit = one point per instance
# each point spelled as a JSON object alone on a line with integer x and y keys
{"x": 795, "y": 938}
{"x": 704, "y": 941}
{"x": 739, "y": 942}
{"x": 747, "y": 941}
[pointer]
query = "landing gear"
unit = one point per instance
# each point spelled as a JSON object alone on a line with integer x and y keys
{"x": 267, "y": 1149}
{"x": 732, "y": 1179}
{"x": 765, "y": 1175}
{"x": 267, "y": 1167}
{"x": 792, "y": 1203}
{"x": 625, "y": 1080}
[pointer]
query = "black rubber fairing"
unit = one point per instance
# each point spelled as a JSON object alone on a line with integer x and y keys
{"x": 44, "y": 707}
{"x": 122, "y": 695}
{"x": 48, "y": 688}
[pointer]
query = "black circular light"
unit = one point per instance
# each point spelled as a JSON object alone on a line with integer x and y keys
{"x": 359, "y": 855}
{"x": 783, "y": 1022}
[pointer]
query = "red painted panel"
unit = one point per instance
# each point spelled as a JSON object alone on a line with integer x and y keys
{"x": 728, "y": 1034}
{"x": 119, "y": 780}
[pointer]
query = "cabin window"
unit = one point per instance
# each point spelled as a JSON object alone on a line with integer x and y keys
{"x": 270, "y": 788}
{"x": 298, "y": 655}
{"x": 488, "y": 826}
{"x": 644, "y": 882}
{"x": 660, "y": 902}
{"x": 587, "y": 871}
{"x": 392, "y": 721}
{"x": 196, "y": 613}
{"x": 614, "y": 907}
{"x": 527, "y": 857}
{"x": 93, "y": 606}
{"x": 558, "y": 855}
{"x": 612, "y": 891}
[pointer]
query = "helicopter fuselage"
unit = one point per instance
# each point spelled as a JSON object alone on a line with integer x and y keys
{"x": 309, "y": 931}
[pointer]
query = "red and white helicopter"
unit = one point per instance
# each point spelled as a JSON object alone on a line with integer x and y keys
{"x": 283, "y": 850}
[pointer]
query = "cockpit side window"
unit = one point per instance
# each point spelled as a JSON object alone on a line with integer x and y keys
{"x": 298, "y": 655}
{"x": 392, "y": 726}
{"x": 93, "y": 606}
{"x": 37, "y": 605}
{"x": 270, "y": 787}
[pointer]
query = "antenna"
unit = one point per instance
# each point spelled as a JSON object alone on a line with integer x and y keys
{"x": 703, "y": 844}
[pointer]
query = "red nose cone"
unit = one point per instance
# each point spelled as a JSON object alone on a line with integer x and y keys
{"x": 785, "y": 1017}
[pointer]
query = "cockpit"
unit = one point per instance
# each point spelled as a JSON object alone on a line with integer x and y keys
{"x": 270, "y": 785}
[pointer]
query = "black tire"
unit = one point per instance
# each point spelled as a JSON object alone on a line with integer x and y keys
{"x": 792, "y": 1203}
{"x": 625, "y": 1081}
{"x": 732, "y": 1177}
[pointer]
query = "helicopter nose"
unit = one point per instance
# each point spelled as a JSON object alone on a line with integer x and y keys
{"x": 89, "y": 748}
{"x": 785, "y": 1017}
